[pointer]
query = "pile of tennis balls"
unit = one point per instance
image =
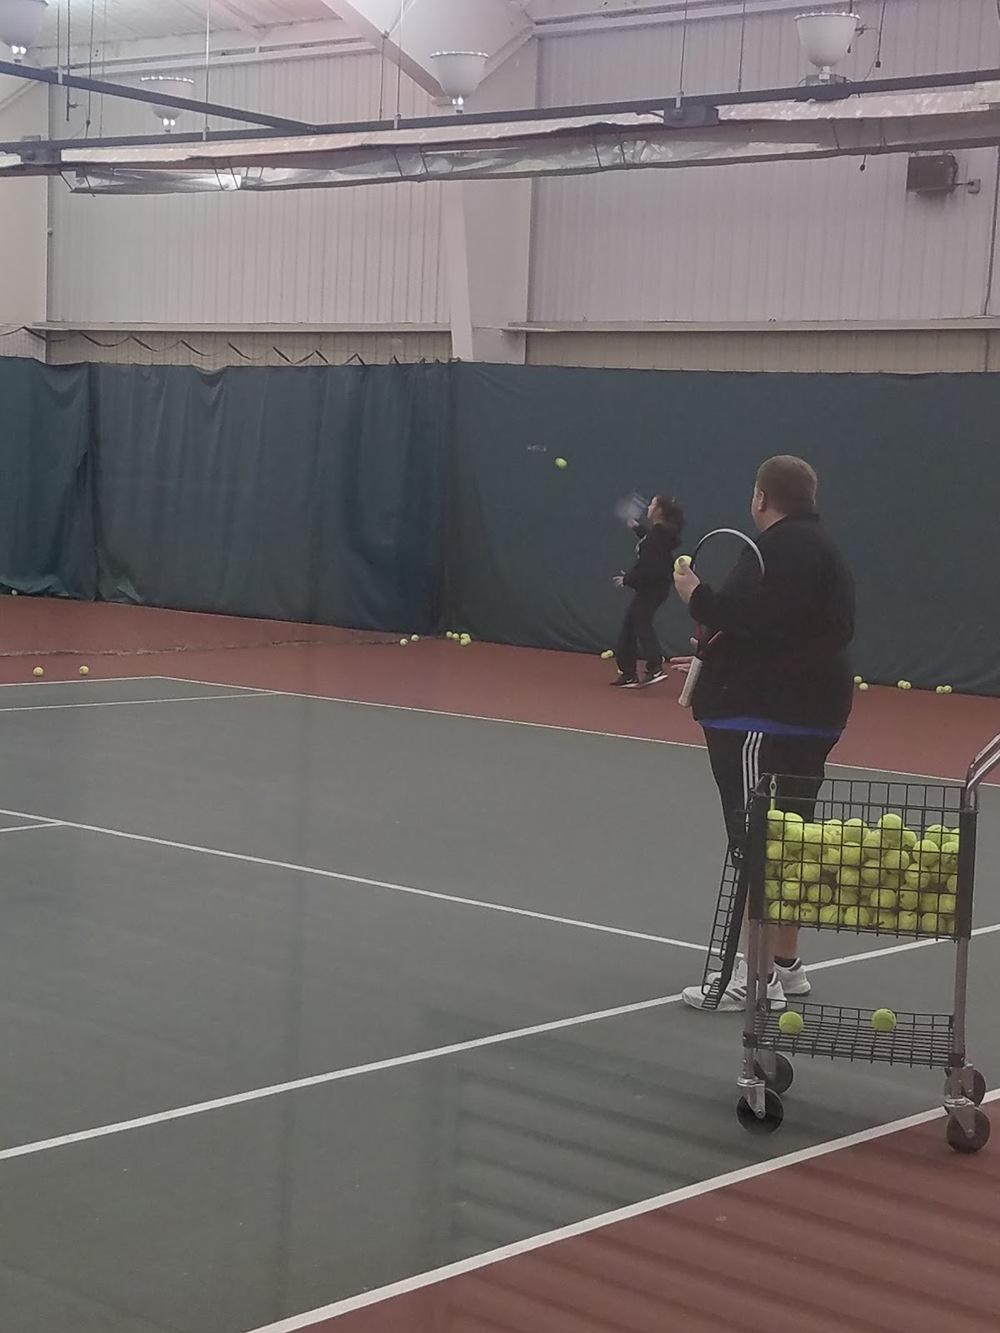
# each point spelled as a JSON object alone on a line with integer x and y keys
{"x": 463, "y": 639}
{"x": 843, "y": 873}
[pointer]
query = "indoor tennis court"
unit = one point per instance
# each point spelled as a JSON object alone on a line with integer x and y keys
{"x": 342, "y": 998}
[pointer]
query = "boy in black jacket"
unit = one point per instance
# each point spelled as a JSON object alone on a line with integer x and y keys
{"x": 776, "y": 688}
{"x": 650, "y": 580}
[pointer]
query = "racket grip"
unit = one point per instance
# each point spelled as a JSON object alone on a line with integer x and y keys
{"x": 692, "y": 680}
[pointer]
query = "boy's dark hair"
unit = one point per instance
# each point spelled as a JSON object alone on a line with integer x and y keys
{"x": 671, "y": 515}
{"x": 789, "y": 484}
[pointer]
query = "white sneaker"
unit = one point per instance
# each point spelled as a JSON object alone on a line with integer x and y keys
{"x": 794, "y": 980}
{"x": 733, "y": 999}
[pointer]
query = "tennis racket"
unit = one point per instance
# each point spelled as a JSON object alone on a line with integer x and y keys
{"x": 631, "y": 508}
{"x": 717, "y": 558}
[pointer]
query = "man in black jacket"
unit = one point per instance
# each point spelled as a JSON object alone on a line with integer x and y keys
{"x": 776, "y": 688}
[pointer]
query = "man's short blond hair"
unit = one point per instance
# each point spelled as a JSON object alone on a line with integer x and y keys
{"x": 789, "y": 483}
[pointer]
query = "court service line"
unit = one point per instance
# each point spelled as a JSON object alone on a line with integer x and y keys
{"x": 538, "y": 726}
{"x": 506, "y": 909}
{"x": 476, "y": 1262}
{"x": 332, "y": 1076}
{"x": 401, "y": 1061}
{"x": 26, "y": 828}
{"x": 131, "y": 703}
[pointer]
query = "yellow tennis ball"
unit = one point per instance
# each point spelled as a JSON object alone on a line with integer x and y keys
{"x": 791, "y": 890}
{"x": 465, "y": 640}
{"x": 772, "y": 889}
{"x": 909, "y": 900}
{"x": 854, "y": 830}
{"x": 908, "y": 922}
{"x": 808, "y": 914}
{"x": 903, "y": 685}
{"x": 862, "y": 686}
{"x": 681, "y": 562}
{"x": 85, "y": 671}
{"x": 884, "y": 1020}
{"x": 404, "y": 642}
{"x": 884, "y": 899}
{"x": 829, "y": 915}
{"x": 13, "y": 592}
{"x": 820, "y": 894}
{"x": 859, "y": 680}
{"x": 414, "y": 638}
{"x": 774, "y": 907}
{"x": 38, "y": 672}
{"x": 790, "y": 1024}
{"x": 607, "y": 654}
{"x": 561, "y": 463}
{"x": 947, "y": 904}
{"x": 895, "y": 860}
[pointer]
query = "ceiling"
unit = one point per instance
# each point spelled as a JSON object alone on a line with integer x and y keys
{"x": 131, "y": 20}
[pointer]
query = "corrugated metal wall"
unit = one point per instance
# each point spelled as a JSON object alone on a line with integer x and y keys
{"x": 369, "y": 255}
{"x": 211, "y": 350}
{"x": 782, "y": 241}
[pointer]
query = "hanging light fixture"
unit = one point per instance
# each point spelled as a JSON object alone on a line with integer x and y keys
{"x": 175, "y": 86}
{"x": 825, "y": 40}
{"x": 459, "y": 73}
{"x": 20, "y": 24}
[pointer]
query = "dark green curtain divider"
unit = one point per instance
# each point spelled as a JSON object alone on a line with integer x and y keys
{"x": 421, "y": 497}
{"x": 298, "y": 494}
{"x": 910, "y": 482}
{"x": 46, "y": 533}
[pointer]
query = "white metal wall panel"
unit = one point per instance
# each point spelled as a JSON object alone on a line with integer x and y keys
{"x": 782, "y": 241}
{"x": 368, "y": 255}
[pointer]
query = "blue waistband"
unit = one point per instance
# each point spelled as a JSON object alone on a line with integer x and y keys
{"x": 765, "y": 725}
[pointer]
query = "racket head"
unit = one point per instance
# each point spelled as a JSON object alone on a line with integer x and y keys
{"x": 631, "y": 508}
{"x": 722, "y": 552}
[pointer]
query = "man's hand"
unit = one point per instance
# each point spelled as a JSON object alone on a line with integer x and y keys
{"x": 619, "y": 580}
{"x": 685, "y": 581}
{"x": 681, "y": 664}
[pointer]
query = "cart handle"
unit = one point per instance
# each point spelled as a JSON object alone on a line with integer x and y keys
{"x": 983, "y": 764}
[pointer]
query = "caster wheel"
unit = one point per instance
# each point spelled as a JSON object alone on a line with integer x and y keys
{"x": 774, "y": 1113}
{"x": 958, "y": 1139}
{"x": 784, "y": 1075}
{"x": 977, "y": 1091}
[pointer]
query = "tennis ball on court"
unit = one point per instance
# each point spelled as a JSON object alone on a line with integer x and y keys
{"x": 681, "y": 562}
{"x": 404, "y": 642}
{"x": 939, "y": 689}
{"x": 13, "y": 592}
{"x": 85, "y": 671}
{"x": 414, "y": 638}
{"x": 859, "y": 680}
{"x": 561, "y": 463}
{"x": 884, "y": 1020}
{"x": 903, "y": 685}
{"x": 607, "y": 654}
{"x": 38, "y": 671}
{"x": 862, "y": 686}
{"x": 830, "y": 915}
{"x": 465, "y": 640}
{"x": 946, "y": 689}
{"x": 790, "y": 1023}
{"x": 908, "y": 922}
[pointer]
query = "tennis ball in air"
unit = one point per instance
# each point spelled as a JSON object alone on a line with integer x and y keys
{"x": 561, "y": 463}
{"x": 38, "y": 672}
{"x": 790, "y": 1023}
{"x": 862, "y": 686}
{"x": 85, "y": 671}
{"x": 607, "y": 654}
{"x": 884, "y": 1020}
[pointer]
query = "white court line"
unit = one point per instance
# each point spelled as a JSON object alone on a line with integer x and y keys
{"x": 538, "y": 726}
{"x": 92, "y": 680}
{"x": 130, "y": 703}
{"x": 25, "y": 828}
{"x": 590, "y": 1224}
{"x": 397, "y": 1062}
{"x": 504, "y": 908}
{"x": 332, "y": 1076}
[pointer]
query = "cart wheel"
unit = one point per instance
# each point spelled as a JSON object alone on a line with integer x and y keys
{"x": 774, "y": 1113}
{"x": 978, "y": 1089}
{"x": 959, "y": 1140}
{"x": 784, "y": 1075}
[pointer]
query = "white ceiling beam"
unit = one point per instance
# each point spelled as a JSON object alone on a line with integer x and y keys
{"x": 408, "y": 32}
